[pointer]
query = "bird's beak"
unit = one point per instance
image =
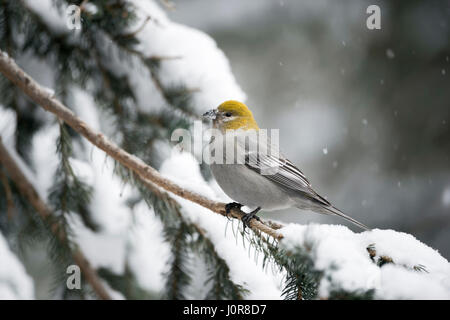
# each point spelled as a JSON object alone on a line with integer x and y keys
{"x": 210, "y": 115}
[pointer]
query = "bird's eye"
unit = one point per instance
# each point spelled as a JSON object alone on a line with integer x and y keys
{"x": 228, "y": 114}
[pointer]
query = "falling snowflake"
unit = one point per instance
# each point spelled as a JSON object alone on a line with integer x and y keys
{"x": 446, "y": 197}
{"x": 390, "y": 53}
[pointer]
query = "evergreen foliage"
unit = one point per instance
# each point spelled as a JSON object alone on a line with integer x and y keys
{"x": 85, "y": 60}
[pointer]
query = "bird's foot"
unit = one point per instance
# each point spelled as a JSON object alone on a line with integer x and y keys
{"x": 249, "y": 216}
{"x": 230, "y": 206}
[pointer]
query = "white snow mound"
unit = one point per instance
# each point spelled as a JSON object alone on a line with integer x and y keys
{"x": 418, "y": 271}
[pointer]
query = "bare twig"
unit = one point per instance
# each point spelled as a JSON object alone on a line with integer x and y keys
{"x": 8, "y": 192}
{"x": 168, "y": 4}
{"x": 160, "y": 58}
{"x": 29, "y": 193}
{"x": 42, "y": 97}
{"x": 133, "y": 33}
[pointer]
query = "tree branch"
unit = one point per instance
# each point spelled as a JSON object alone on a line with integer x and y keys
{"x": 9, "y": 197}
{"x": 28, "y": 191}
{"x": 46, "y": 100}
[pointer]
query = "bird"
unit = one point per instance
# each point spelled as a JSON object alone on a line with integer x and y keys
{"x": 263, "y": 179}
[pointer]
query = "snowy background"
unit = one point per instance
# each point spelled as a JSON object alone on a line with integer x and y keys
{"x": 363, "y": 113}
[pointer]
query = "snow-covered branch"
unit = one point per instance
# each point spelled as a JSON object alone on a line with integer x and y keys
{"x": 27, "y": 190}
{"x": 46, "y": 100}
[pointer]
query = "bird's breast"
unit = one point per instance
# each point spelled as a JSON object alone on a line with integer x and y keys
{"x": 250, "y": 188}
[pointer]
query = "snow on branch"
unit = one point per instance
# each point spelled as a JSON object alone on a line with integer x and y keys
{"x": 28, "y": 191}
{"x": 15, "y": 283}
{"x": 46, "y": 100}
{"x": 376, "y": 264}
{"x": 381, "y": 264}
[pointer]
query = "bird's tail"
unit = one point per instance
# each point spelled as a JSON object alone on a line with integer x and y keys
{"x": 322, "y": 205}
{"x": 339, "y": 213}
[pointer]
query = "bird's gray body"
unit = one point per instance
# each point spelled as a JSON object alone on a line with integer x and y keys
{"x": 249, "y": 184}
{"x": 254, "y": 190}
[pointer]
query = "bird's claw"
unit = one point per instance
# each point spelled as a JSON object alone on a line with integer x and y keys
{"x": 230, "y": 206}
{"x": 249, "y": 216}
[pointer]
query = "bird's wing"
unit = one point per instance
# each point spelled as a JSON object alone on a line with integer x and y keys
{"x": 270, "y": 163}
{"x": 279, "y": 170}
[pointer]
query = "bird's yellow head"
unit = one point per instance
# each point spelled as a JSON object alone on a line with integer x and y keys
{"x": 232, "y": 115}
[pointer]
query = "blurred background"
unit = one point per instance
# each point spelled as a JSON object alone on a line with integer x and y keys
{"x": 364, "y": 113}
